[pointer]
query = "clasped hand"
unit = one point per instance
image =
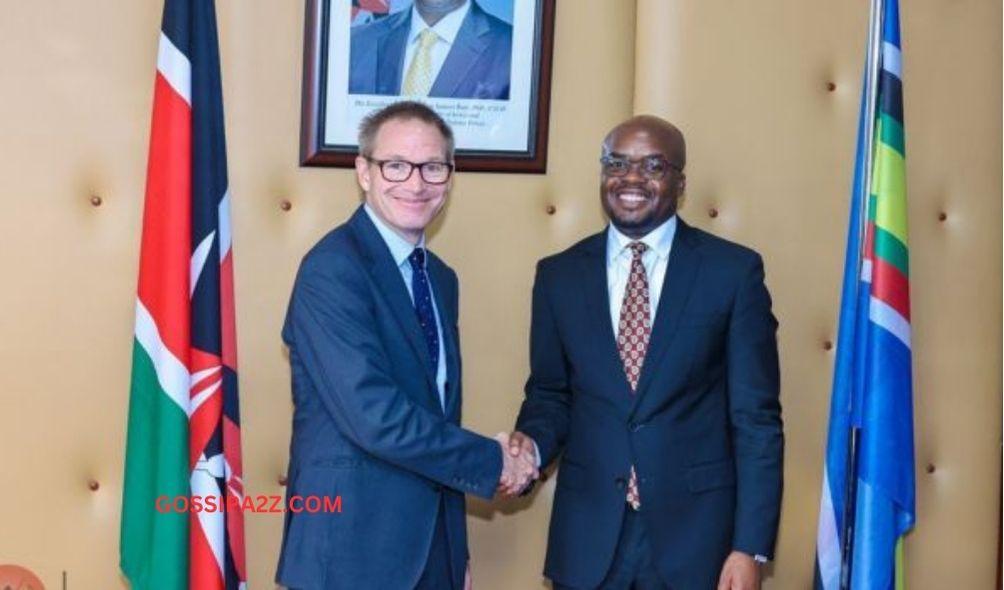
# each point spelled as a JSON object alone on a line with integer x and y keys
{"x": 519, "y": 463}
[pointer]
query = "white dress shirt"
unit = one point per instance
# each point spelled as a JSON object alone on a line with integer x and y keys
{"x": 446, "y": 29}
{"x": 400, "y": 250}
{"x": 655, "y": 260}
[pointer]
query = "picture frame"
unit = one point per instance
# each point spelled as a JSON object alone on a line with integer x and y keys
{"x": 492, "y": 84}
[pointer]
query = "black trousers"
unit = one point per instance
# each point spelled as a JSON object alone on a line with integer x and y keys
{"x": 632, "y": 567}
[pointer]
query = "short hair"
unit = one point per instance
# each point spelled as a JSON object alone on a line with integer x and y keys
{"x": 405, "y": 110}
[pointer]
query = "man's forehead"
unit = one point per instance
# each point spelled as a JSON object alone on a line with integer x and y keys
{"x": 631, "y": 134}
{"x": 398, "y": 127}
{"x": 640, "y": 139}
{"x": 643, "y": 153}
{"x": 403, "y": 133}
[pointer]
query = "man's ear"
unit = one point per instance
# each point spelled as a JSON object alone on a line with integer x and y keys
{"x": 363, "y": 173}
{"x": 681, "y": 186}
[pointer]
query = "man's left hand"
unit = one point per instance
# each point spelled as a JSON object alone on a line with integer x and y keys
{"x": 740, "y": 572}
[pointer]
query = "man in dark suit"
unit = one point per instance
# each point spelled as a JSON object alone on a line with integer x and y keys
{"x": 375, "y": 360}
{"x": 654, "y": 368}
{"x": 438, "y": 48}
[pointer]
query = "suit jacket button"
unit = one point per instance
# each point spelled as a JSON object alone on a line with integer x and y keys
{"x": 438, "y": 488}
{"x": 621, "y": 482}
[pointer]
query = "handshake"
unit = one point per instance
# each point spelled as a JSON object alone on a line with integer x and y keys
{"x": 519, "y": 463}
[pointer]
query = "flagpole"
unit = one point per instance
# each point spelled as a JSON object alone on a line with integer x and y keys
{"x": 874, "y": 53}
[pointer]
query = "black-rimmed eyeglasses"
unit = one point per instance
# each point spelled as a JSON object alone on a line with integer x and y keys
{"x": 401, "y": 170}
{"x": 651, "y": 167}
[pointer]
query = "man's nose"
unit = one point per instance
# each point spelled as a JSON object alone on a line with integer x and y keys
{"x": 634, "y": 174}
{"x": 415, "y": 181}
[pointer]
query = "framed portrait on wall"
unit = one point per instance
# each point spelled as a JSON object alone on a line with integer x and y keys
{"x": 483, "y": 65}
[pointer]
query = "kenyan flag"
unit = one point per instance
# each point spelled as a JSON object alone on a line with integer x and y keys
{"x": 184, "y": 427}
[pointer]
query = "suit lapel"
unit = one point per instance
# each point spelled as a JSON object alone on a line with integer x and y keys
{"x": 442, "y": 289}
{"x": 388, "y": 279}
{"x": 390, "y": 52}
{"x": 681, "y": 271}
{"x": 467, "y": 48}
{"x": 594, "y": 271}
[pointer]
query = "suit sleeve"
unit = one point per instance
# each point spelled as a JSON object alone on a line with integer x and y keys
{"x": 331, "y": 323}
{"x": 546, "y": 409}
{"x": 755, "y": 415}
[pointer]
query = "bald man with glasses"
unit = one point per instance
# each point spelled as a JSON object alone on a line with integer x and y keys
{"x": 654, "y": 375}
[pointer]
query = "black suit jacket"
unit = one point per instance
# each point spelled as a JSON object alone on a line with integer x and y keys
{"x": 703, "y": 429}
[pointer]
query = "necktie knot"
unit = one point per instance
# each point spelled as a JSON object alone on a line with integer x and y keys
{"x": 417, "y": 259}
{"x": 427, "y": 38}
{"x": 638, "y": 248}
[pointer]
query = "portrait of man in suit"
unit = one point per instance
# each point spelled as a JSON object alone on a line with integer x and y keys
{"x": 654, "y": 374}
{"x": 433, "y": 48}
{"x": 374, "y": 354}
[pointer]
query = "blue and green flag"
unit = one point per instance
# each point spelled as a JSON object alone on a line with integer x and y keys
{"x": 867, "y": 503}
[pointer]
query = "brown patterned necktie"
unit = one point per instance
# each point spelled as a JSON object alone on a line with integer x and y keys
{"x": 633, "y": 333}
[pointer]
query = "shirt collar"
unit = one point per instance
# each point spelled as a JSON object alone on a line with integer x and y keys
{"x": 447, "y": 27}
{"x": 659, "y": 240}
{"x": 400, "y": 248}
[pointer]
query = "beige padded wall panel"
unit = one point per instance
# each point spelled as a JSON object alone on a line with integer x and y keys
{"x": 768, "y": 94}
{"x": 77, "y": 81}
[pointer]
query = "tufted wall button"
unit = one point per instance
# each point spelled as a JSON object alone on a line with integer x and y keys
{"x": 942, "y": 216}
{"x": 831, "y": 86}
{"x": 827, "y": 344}
{"x": 285, "y": 205}
{"x": 282, "y": 480}
{"x": 930, "y": 468}
{"x": 712, "y": 212}
{"x": 96, "y": 200}
{"x": 551, "y": 209}
{"x": 93, "y": 485}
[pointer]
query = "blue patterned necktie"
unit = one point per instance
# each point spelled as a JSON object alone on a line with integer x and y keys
{"x": 423, "y": 304}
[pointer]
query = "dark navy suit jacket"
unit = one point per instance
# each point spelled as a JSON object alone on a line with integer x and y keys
{"x": 367, "y": 422}
{"x": 477, "y": 66}
{"x": 703, "y": 429}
